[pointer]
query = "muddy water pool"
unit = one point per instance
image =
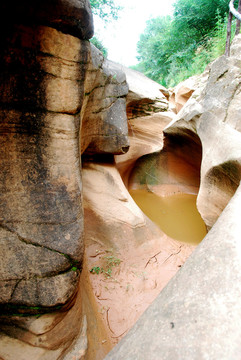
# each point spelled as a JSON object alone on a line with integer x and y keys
{"x": 176, "y": 215}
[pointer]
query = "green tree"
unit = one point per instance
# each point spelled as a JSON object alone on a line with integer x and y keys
{"x": 199, "y": 15}
{"x": 105, "y": 9}
{"x": 97, "y": 43}
{"x": 153, "y": 48}
{"x": 174, "y": 48}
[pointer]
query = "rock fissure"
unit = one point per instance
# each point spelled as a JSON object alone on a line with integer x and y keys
{"x": 30, "y": 242}
{"x": 222, "y": 75}
{"x": 57, "y": 76}
{"x": 47, "y": 275}
{"x": 236, "y": 90}
{"x": 63, "y": 223}
{"x": 63, "y": 60}
{"x": 15, "y": 287}
{"x": 101, "y": 110}
{"x": 95, "y": 88}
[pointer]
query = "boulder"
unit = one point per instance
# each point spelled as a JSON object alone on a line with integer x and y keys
{"x": 145, "y": 96}
{"x": 72, "y": 17}
{"x": 44, "y": 60}
{"x": 104, "y": 123}
{"x": 53, "y": 82}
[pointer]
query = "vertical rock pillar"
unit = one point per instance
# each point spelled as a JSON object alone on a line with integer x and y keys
{"x": 44, "y": 56}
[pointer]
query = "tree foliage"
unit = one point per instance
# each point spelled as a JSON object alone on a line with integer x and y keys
{"x": 105, "y": 9}
{"x": 174, "y": 48}
{"x": 97, "y": 43}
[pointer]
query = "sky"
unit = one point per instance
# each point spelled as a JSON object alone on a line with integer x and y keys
{"x": 120, "y": 37}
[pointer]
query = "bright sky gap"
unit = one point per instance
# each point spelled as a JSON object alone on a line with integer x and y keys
{"x": 120, "y": 37}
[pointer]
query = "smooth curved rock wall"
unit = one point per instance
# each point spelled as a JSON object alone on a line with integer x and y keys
{"x": 197, "y": 316}
{"x": 174, "y": 169}
{"x": 212, "y": 115}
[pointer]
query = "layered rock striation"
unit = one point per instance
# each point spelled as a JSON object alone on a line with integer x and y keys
{"x": 50, "y": 77}
{"x": 43, "y": 72}
{"x": 80, "y": 262}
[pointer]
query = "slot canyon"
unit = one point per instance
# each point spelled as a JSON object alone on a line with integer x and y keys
{"x": 120, "y": 232}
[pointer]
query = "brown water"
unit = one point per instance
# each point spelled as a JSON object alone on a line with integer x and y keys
{"x": 176, "y": 215}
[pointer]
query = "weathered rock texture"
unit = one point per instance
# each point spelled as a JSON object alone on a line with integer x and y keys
{"x": 175, "y": 169}
{"x": 49, "y": 72}
{"x": 44, "y": 59}
{"x": 212, "y": 115}
{"x": 73, "y": 17}
{"x": 51, "y": 84}
{"x": 104, "y": 124}
{"x": 197, "y": 315}
{"x": 183, "y": 91}
{"x": 43, "y": 72}
{"x": 59, "y": 98}
{"x": 46, "y": 337}
{"x": 145, "y": 96}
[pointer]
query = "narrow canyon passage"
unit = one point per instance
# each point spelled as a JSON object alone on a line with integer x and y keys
{"x": 133, "y": 248}
{"x": 120, "y": 199}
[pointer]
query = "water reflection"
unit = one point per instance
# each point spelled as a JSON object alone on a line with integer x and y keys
{"x": 176, "y": 215}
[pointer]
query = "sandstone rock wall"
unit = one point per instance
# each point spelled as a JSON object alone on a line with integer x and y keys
{"x": 148, "y": 113}
{"x": 43, "y": 71}
{"x": 44, "y": 59}
{"x": 116, "y": 230}
{"x": 197, "y": 315}
{"x": 60, "y": 99}
{"x": 212, "y": 115}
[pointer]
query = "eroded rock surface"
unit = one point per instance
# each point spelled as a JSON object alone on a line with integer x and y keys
{"x": 212, "y": 115}
{"x": 41, "y": 212}
{"x": 44, "y": 59}
{"x": 197, "y": 315}
{"x": 104, "y": 124}
{"x": 183, "y": 91}
{"x": 59, "y": 98}
{"x": 53, "y": 82}
{"x": 145, "y": 96}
